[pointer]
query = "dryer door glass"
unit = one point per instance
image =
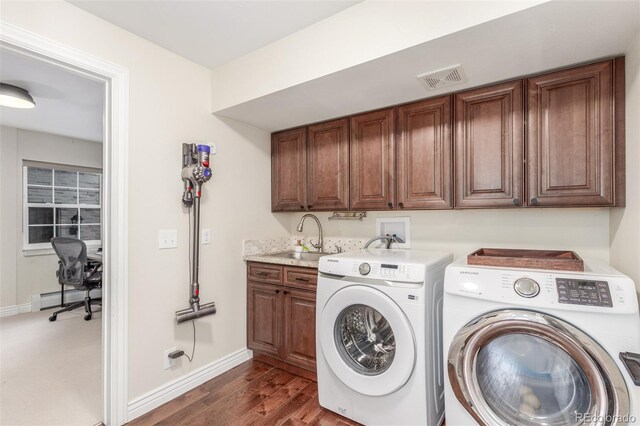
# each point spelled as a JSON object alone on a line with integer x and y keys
{"x": 528, "y": 368}
{"x": 527, "y": 380}
{"x": 365, "y": 339}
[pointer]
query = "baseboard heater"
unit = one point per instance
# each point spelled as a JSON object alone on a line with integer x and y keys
{"x": 40, "y": 302}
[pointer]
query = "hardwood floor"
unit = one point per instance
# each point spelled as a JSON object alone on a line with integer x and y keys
{"x": 252, "y": 393}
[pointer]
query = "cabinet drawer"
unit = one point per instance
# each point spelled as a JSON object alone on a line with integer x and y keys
{"x": 300, "y": 277}
{"x": 264, "y": 272}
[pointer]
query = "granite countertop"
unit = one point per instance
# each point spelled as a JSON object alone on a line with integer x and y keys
{"x": 263, "y": 250}
{"x": 269, "y": 258}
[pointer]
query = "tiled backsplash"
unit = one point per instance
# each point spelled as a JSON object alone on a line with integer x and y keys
{"x": 272, "y": 245}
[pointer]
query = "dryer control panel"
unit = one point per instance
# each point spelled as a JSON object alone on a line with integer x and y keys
{"x": 583, "y": 292}
{"x": 599, "y": 288}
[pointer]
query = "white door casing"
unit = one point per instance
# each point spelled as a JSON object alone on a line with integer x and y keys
{"x": 115, "y": 166}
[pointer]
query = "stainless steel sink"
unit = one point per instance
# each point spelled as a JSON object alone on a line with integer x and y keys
{"x": 298, "y": 256}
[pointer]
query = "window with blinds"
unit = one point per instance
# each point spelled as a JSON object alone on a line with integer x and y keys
{"x": 60, "y": 202}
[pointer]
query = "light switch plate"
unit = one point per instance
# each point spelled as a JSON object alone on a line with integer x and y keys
{"x": 206, "y": 236}
{"x": 167, "y": 238}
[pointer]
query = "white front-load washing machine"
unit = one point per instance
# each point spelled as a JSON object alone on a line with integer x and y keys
{"x": 540, "y": 347}
{"x": 378, "y": 336}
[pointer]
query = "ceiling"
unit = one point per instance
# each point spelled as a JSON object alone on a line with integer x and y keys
{"x": 547, "y": 36}
{"x": 212, "y": 33}
{"x": 67, "y": 104}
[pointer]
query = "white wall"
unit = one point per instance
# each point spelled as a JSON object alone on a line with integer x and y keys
{"x": 625, "y": 222}
{"x": 361, "y": 33}
{"x": 27, "y": 275}
{"x": 8, "y": 215}
{"x": 170, "y": 103}
{"x": 585, "y": 231}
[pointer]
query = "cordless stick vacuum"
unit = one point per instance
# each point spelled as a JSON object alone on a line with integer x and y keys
{"x": 195, "y": 172}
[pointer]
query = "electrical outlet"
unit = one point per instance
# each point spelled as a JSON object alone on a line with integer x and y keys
{"x": 168, "y": 238}
{"x": 206, "y": 236}
{"x": 168, "y": 362}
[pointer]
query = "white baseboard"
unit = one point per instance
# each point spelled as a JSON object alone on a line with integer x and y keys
{"x": 7, "y": 311}
{"x": 165, "y": 393}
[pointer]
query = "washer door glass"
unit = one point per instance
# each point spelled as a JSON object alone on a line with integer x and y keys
{"x": 365, "y": 339}
{"x": 527, "y": 380}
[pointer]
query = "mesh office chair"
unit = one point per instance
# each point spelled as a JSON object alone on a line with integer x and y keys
{"x": 74, "y": 269}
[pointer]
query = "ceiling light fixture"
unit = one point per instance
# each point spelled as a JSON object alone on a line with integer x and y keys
{"x": 15, "y": 97}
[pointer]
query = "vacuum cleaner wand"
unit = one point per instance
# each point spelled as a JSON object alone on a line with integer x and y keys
{"x": 195, "y": 172}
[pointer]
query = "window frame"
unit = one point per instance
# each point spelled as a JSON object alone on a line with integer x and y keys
{"x": 45, "y": 248}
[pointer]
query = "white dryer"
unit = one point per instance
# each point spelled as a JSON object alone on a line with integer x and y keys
{"x": 536, "y": 347}
{"x": 378, "y": 336}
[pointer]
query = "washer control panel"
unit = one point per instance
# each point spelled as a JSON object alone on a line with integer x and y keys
{"x": 364, "y": 268}
{"x": 583, "y": 292}
{"x": 388, "y": 271}
{"x": 526, "y": 287}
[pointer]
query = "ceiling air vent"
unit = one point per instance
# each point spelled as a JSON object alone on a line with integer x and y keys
{"x": 442, "y": 78}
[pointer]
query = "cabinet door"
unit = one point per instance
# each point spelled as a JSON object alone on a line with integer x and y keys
{"x": 328, "y": 164}
{"x": 424, "y": 154}
{"x": 264, "y": 316}
{"x": 299, "y": 328}
{"x": 372, "y": 161}
{"x": 570, "y": 137}
{"x": 489, "y": 145}
{"x": 288, "y": 170}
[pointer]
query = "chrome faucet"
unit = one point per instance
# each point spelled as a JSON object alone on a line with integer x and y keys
{"x": 319, "y": 246}
{"x": 389, "y": 240}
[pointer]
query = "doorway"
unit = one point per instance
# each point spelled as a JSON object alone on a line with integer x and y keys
{"x": 114, "y": 80}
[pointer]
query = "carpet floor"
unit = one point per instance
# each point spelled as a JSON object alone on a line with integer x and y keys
{"x": 50, "y": 372}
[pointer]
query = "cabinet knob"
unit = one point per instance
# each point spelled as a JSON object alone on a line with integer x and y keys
{"x": 277, "y": 291}
{"x": 390, "y": 205}
{"x": 534, "y": 201}
{"x": 309, "y": 206}
{"x": 302, "y": 207}
{"x": 401, "y": 205}
{"x": 286, "y": 292}
{"x": 516, "y": 202}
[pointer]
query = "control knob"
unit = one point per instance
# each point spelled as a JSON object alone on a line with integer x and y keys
{"x": 364, "y": 268}
{"x": 526, "y": 287}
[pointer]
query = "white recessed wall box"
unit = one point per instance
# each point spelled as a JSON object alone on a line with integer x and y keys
{"x": 398, "y": 226}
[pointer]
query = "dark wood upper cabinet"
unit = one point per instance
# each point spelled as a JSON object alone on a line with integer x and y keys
{"x": 472, "y": 149}
{"x": 289, "y": 170}
{"x": 424, "y": 146}
{"x": 372, "y": 182}
{"x": 572, "y": 148}
{"x": 328, "y": 166}
{"x": 489, "y": 146}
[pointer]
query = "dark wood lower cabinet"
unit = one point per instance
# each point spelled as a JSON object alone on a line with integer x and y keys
{"x": 299, "y": 338}
{"x": 281, "y": 318}
{"x": 264, "y": 314}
